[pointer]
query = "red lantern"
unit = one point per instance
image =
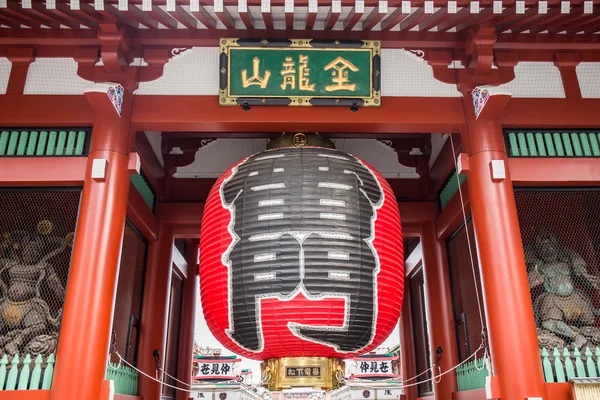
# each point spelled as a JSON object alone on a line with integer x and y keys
{"x": 301, "y": 255}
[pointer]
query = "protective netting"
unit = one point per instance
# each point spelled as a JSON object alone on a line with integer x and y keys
{"x": 172, "y": 349}
{"x": 464, "y": 293}
{"x": 561, "y": 237}
{"x": 37, "y": 228}
{"x": 128, "y": 305}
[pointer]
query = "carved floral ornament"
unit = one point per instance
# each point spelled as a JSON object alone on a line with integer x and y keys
{"x": 114, "y": 91}
{"x": 481, "y": 96}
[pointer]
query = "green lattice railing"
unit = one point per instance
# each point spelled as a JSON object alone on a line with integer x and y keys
{"x": 36, "y": 373}
{"x": 471, "y": 375}
{"x": 28, "y": 374}
{"x": 450, "y": 189}
{"x": 559, "y": 365}
{"x": 44, "y": 143}
{"x": 553, "y": 144}
{"x": 562, "y": 365}
{"x": 125, "y": 378}
{"x": 145, "y": 190}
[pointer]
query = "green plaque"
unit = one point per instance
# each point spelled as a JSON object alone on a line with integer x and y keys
{"x": 300, "y": 73}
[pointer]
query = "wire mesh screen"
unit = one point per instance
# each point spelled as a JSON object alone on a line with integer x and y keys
{"x": 561, "y": 238}
{"x": 171, "y": 356}
{"x": 464, "y": 290}
{"x": 129, "y": 295}
{"x": 37, "y": 228}
{"x": 420, "y": 332}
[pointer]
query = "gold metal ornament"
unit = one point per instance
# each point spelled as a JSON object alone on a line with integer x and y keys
{"x": 299, "y": 140}
{"x": 45, "y": 227}
{"x": 70, "y": 239}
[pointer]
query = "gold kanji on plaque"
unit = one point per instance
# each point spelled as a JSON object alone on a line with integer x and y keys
{"x": 288, "y": 73}
{"x": 255, "y": 79}
{"x": 340, "y": 68}
{"x": 304, "y": 73}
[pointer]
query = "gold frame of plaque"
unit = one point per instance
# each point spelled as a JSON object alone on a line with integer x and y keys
{"x": 289, "y": 372}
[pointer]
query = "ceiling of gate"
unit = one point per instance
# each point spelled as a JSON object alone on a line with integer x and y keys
{"x": 215, "y": 156}
{"x": 235, "y": 18}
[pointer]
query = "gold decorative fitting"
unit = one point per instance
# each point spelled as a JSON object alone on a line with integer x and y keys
{"x": 44, "y": 227}
{"x": 223, "y": 70}
{"x": 264, "y": 42}
{"x": 70, "y": 239}
{"x": 300, "y": 140}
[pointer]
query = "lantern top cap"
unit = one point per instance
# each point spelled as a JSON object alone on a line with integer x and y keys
{"x": 299, "y": 139}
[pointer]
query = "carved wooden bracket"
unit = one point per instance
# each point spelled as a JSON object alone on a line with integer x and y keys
{"x": 179, "y": 151}
{"x": 21, "y": 58}
{"x": 412, "y": 152}
{"x": 116, "y": 59}
{"x": 478, "y": 60}
{"x": 567, "y": 62}
{"x": 480, "y": 49}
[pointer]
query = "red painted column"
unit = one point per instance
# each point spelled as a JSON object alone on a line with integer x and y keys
{"x": 510, "y": 320}
{"x": 188, "y": 319}
{"x": 88, "y": 312}
{"x": 440, "y": 315}
{"x": 155, "y": 311}
{"x": 407, "y": 347}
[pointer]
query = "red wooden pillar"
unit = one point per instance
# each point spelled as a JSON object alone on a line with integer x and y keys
{"x": 155, "y": 311}
{"x": 440, "y": 315}
{"x": 88, "y": 312}
{"x": 407, "y": 347}
{"x": 188, "y": 320}
{"x": 510, "y": 320}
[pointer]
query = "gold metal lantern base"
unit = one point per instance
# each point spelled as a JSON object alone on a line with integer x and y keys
{"x": 289, "y": 372}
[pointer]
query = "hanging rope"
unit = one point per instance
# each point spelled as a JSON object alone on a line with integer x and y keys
{"x": 435, "y": 378}
{"x": 487, "y": 355}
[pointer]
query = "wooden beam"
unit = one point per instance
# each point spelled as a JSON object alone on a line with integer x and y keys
{"x": 42, "y": 171}
{"x": 247, "y": 19}
{"x": 393, "y": 19}
{"x": 163, "y": 17}
{"x": 554, "y": 171}
{"x": 18, "y": 18}
{"x": 417, "y": 213}
{"x": 180, "y": 213}
{"x": 331, "y": 19}
{"x": 352, "y": 19}
{"x": 268, "y": 19}
{"x": 444, "y": 164}
{"x": 413, "y": 20}
{"x": 439, "y": 16}
{"x": 141, "y": 216}
{"x": 373, "y": 19}
{"x": 45, "y": 110}
{"x": 457, "y": 19}
{"x": 288, "y": 20}
{"x": 184, "y": 18}
{"x": 452, "y": 216}
{"x": 226, "y": 18}
{"x": 63, "y": 11}
{"x": 310, "y": 20}
{"x": 555, "y": 113}
{"x": 151, "y": 165}
{"x": 203, "y": 114}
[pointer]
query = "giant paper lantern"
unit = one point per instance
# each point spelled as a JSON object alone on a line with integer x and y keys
{"x": 301, "y": 255}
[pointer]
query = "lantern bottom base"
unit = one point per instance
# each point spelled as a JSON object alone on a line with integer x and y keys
{"x": 289, "y": 372}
